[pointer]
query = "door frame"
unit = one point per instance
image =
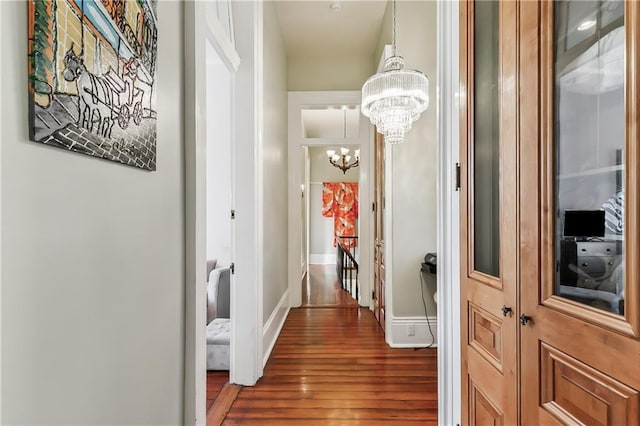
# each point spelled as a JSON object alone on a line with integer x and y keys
{"x": 202, "y": 24}
{"x": 448, "y": 240}
{"x": 297, "y": 100}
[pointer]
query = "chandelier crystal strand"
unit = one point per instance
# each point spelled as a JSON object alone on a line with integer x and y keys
{"x": 395, "y": 98}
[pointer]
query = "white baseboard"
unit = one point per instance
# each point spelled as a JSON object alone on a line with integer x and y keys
{"x": 398, "y": 335}
{"x": 273, "y": 326}
{"x": 322, "y": 259}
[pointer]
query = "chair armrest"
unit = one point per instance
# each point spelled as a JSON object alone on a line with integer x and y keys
{"x": 218, "y": 294}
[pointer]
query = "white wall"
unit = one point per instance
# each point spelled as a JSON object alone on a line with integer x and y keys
{"x": 218, "y": 158}
{"x": 414, "y": 162}
{"x": 274, "y": 183}
{"x": 321, "y": 228}
{"x": 321, "y": 249}
{"x": 92, "y": 255}
{"x": 329, "y": 71}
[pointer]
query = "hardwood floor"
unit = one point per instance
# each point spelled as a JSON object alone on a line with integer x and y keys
{"x": 332, "y": 366}
{"x": 215, "y": 382}
{"x": 217, "y": 413}
{"x": 323, "y": 289}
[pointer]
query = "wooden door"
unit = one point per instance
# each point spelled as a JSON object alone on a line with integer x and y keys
{"x": 378, "y": 231}
{"x": 579, "y": 136}
{"x": 488, "y": 206}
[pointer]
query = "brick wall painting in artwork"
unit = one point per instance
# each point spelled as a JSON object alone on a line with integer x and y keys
{"x": 92, "y": 84}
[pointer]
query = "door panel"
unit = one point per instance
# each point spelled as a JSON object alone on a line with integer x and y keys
{"x": 485, "y": 335}
{"x": 484, "y": 412}
{"x": 580, "y": 358}
{"x": 488, "y": 262}
{"x": 575, "y": 393}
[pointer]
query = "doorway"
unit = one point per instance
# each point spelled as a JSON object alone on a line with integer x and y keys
{"x": 321, "y": 121}
{"x": 219, "y": 224}
{"x": 330, "y": 226}
{"x": 237, "y": 38}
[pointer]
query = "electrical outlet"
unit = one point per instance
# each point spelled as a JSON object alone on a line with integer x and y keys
{"x": 411, "y": 330}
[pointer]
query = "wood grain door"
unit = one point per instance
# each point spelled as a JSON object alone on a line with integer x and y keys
{"x": 488, "y": 206}
{"x": 378, "y": 231}
{"x": 579, "y": 83}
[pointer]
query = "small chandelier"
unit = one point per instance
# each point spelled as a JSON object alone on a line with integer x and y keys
{"x": 343, "y": 161}
{"x": 394, "y": 98}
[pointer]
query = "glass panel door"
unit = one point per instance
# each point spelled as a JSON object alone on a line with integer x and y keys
{"x": 589, "y": 141}
{"x": 486, "y": 139}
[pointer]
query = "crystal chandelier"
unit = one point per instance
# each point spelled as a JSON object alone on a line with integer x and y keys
{"x": 343, "y": 161}
{"x": 394, "y": 98}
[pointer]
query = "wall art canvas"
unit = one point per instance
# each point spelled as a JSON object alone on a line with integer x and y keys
{"x": 92, "y": 82}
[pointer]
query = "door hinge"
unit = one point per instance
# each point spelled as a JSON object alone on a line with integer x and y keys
{"x": 373, "y": 206}
{"x": 457, "y": 176}
{"x": 233, "y": 268}
{"x": 233, "y": 214}
{"x": 373, "y": 294}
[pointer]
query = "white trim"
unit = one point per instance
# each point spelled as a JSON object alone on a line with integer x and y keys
{"x": 258, "y": 37}
{"x": 322, "y": 259}
{"x": 398, "y": 336}
{"x": 195, "y": 203}
{"x": 449, "y": 362}
{"x": 216, "y": 33}
{"x": 226, "y": 32}
{"x": 296, "y": 101}
{"x": 246, "y": 293}
{"x": 307, "y": 207}
{"x": 274, "y": 325}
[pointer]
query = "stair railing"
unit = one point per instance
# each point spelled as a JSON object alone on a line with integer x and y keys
{"x": 347, "y": 264}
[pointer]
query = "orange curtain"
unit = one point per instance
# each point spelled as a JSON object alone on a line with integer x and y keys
{"x": 340, "y": 201}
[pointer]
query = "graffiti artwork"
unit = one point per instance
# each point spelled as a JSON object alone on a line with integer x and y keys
{"x": 92, "y": 83}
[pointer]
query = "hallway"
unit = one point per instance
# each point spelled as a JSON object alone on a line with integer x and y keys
{"x": 332, "y": 366}
{"x": 321, "y": 288}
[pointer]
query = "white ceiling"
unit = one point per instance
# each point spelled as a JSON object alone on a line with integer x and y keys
{"x": 310, "y": 26}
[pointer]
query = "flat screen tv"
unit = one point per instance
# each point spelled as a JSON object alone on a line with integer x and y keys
{"x": 584, "y": 223}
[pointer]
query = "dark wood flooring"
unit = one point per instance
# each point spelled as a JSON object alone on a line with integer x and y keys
{"x": 332, "y": 366}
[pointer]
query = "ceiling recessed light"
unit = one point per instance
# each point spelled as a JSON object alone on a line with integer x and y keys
{"x": 585, "y": 25}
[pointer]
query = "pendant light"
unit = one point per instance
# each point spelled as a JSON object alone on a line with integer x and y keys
{"x": 343, "y": 160}
{"x": 394, "y": 98}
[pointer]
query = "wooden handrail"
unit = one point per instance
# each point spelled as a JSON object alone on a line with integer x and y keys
{"x": 348, "y": 249}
